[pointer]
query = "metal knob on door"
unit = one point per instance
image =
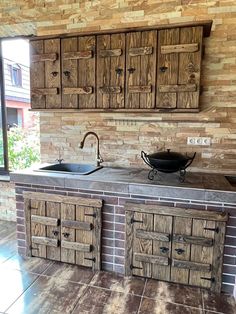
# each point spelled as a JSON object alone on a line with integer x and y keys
{"x": 119, "y": 71}
{"x": 131, "y": 70}
{"x": 164, "y": 249}
{"x": 163, "y": 69}
{"x": 179, "y": 251}
{"x": 54, "y": 73}
{"x": 66, "y": 234}
{"x": 67, "y": 73}
{"x": 55, "y": 232}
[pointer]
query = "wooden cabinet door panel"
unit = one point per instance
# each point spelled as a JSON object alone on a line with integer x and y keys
{"x": 141, "y": 245}
{"x": 45, "y": 74}
{"x": 167, "y": 68}
{"x": 45, "y": 231}
{"x": 140, "y": 69}
{"x": 162, "y": 248}
{"x": 110, "y": 71}
{"x": 78, "y": 72}
{"x": 181, "y": 251}
{"x": 190, "y": 67}
{"x": 202, "y": 254}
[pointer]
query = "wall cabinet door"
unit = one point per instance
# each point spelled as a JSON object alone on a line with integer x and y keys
{"x": 177, "y": 245}
{"x": 141, "y": 69}
{"x": 45, "y": 74}
{"x": 110, "y": 71}
{"x": 78, "y": 72}
{"x": 66, "y": 229}
{"x": 179, "y": 66}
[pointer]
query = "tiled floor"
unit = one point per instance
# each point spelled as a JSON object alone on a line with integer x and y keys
{"x": 31, "y": 285}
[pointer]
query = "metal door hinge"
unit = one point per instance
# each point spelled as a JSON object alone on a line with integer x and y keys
{"x": 91, "y": 215}
{"x": 90, "y": 259}
{"x": 134, "y": 267}
{"x": 212, "y": 229}
{"x": 212, "y": 279}
{"x": 132, "y": 220}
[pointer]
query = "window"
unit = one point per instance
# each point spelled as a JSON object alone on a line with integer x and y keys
{"x": 3, "y": 126}
{"x": 16, "y": 75}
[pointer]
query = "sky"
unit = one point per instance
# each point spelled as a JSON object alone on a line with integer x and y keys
{"x": 16, "y": 50}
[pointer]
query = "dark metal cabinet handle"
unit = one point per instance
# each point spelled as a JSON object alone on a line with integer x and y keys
{"x": 91, "y": 215}
{"x": 131, "y": 70}
{"x": 54, "y": 73}
{"x": 119, "y": 71}
{"x": 164, "y": 249}
{"x": 212, "y": 229}
{"x": 134, "y": 220}
{"x": 179, "y": 251}
{"x": 67, "y": 73}
{"x": 90, "y": 259}
{"x": 66, "y": 234}
{"x": 212, "y": 279}
{"x": 163, "y": 69}
{"x": 55, "y": 232}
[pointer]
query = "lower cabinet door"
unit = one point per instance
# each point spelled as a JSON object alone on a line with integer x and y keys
{"x": 80, "y": 226}
{"x": 45, "y": 230}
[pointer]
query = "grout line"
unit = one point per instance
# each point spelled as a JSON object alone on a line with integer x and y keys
{"x": 144, "y": 288}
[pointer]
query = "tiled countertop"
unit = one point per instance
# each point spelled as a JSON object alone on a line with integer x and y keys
{"x": 197, "y": 186}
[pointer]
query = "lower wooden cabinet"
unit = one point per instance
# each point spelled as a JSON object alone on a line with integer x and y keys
{"x": 64, "y": 228}
{"x": 174, "y": 244}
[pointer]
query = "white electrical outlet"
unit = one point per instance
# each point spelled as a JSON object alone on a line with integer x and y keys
{"x": 199, "y": 141}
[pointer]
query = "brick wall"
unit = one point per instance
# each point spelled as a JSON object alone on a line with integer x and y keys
{"x": 113, "y": 224}
{"x": 123, "y": 136}
{"x": 7, "y": 201}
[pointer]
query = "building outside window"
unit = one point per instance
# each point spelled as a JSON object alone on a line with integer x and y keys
{"x": 16, "y": 75}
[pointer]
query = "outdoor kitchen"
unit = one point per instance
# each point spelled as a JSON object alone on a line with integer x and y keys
{"x": 130, "y": 206}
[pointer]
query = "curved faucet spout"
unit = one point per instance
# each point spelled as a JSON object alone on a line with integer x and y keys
{"x": 99, "y": 157}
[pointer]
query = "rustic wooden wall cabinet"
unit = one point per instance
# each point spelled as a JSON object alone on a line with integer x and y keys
{"x": 64, "y": 228}
{"x": 131, "y": 70}
{"x": 174, "y": 244}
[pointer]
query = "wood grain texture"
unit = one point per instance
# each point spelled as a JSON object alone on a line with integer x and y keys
{"x": 77, "y": 224}
{"x": 104, "y": 53}
{"x": 177, "y": 88}
{"x": 177, "y": 211}
{"x": 162, "y": 224}
{"x": 45, "y": 241}
{"x": 191, "y": 265}
{"x": 78, "y": 55}
{"x": 51, "y": 81}
{"x": 150, "y": 235}
{"x": 86, "y": 90}
{"x": 53, "y": 211}
{"x": 152, "y": 259}
{"x": 181, "y": 238}
{"x": 142, "y": 246}
{"x": 76, "y": 246}
{"x": 183, "y": 226}
{"x": 110, "y": 89}
{"x": 202, "y": 254}
{"x": 140, "y": 51}
{"x": 44, "y": 91}
{"x": 129, "y": 232}
{"x": 49, "y": 221}
{"x": 190, "y": 67}
{"x": 170, "y": 75}
{"x": 37, "y": 78}
{"x": 63, "y": 199}
{"x": 96, "y": 238}
{"x": 140, "y": 89}
{"x": 27, "y": 214}
{"x": 180, "y": 48}
{"x": 44, "y": 57}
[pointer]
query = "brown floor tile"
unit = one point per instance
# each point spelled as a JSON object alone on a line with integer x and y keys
{"x": 173, "y": 293}
{"x": 118, "y": 283}
{"x": 101, "y": 301}
{"x": 219, "y": 303}
{"x": 150, "y": 306}
{"x": 12, "y": 284}
{"x": 29, "y": 264}
{"x": 69, "y": 272}
{"x": 48, "y": 295}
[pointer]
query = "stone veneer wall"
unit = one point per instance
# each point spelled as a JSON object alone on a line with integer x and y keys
{"x": 113, "y": 225}
{"x": 123, "y": 136}
{"x": 7, "y": 201}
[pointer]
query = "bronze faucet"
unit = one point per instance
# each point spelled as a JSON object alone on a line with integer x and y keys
{"x": 99, "y": 157}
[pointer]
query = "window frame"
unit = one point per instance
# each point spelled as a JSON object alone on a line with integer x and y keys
{"x": 5, "y": 169}
{"x": 16, "y": 68}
